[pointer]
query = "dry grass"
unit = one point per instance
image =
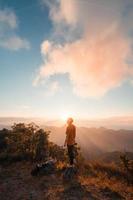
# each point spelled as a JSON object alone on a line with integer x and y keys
{"x": 16, "y": 183}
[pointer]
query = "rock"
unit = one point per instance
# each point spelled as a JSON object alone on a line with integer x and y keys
{"x": 69, "y": 173}
{"x": 45, "y": 168}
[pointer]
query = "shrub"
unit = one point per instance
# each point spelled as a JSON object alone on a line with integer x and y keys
{"x": 25, "y": 141}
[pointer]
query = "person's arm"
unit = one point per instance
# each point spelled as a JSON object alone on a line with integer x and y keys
{"x": 74, "y": 132}
{"x": 65, "y": 143}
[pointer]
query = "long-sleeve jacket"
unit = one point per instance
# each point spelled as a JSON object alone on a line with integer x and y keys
{"x": 70, "y": 134}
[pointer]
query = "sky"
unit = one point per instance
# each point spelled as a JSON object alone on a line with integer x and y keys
{"x": 66, "y": 57}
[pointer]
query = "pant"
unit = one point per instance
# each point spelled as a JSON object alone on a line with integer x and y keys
{"x": 70, "y": 149}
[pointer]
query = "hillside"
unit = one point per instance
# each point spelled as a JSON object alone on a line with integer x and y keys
{"x": 26, "y": 145}
{"x": 17, "y": 183}
{"x": 113, "y": 157}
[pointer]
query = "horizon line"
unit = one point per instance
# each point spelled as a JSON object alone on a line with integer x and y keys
{"x": 58, "y": 118}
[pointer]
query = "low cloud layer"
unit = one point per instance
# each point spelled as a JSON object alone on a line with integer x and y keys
{"x": 97, "y": 60}
{"x": 8, "y": 37}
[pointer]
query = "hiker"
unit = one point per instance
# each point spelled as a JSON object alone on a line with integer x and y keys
{"x": 70, "y": 140}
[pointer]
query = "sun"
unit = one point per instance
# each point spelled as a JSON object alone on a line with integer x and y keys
{"x": 65, "y": 115}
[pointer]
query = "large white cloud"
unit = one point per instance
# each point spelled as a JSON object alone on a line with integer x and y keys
{"x": 8, "y": 37}
{"x": 96, "y": 61}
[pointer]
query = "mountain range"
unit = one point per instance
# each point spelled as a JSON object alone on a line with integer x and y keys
{"x": 96, "y": 141}
{"x": 119, "y": 122}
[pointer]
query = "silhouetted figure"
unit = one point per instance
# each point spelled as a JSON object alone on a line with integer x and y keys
{"x": 70, "y": 140}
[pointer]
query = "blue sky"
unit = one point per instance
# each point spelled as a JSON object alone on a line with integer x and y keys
{"x": 32, "y": 83}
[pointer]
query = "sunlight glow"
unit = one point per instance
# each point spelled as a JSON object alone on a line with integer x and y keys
{"x": 65, "y": 115}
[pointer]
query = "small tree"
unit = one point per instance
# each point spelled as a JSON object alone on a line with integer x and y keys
{"x": 42, "y": 152}
{"x": 128, "y": 167}
{"x": 125, "y": 161}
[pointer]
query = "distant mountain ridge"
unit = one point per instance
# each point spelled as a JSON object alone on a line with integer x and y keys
{"x": 96, "y": 141}
{"x": 122, "y": 122}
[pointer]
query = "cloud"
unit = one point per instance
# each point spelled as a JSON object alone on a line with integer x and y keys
{"x": 59, "y": 11}
{"x": 15, "y": 43}
{"x": 8, "y": 37}
{"x": 9, "y": 18}
{"x": 45, "y": 47}
{"x": 95, "y": 62}
{"x": 94, "y": 65}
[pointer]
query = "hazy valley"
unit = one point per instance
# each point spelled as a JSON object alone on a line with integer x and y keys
{"x": 100, "y": 142}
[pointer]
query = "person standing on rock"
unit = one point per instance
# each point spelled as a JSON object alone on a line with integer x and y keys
{"x": 70, "y": 140}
